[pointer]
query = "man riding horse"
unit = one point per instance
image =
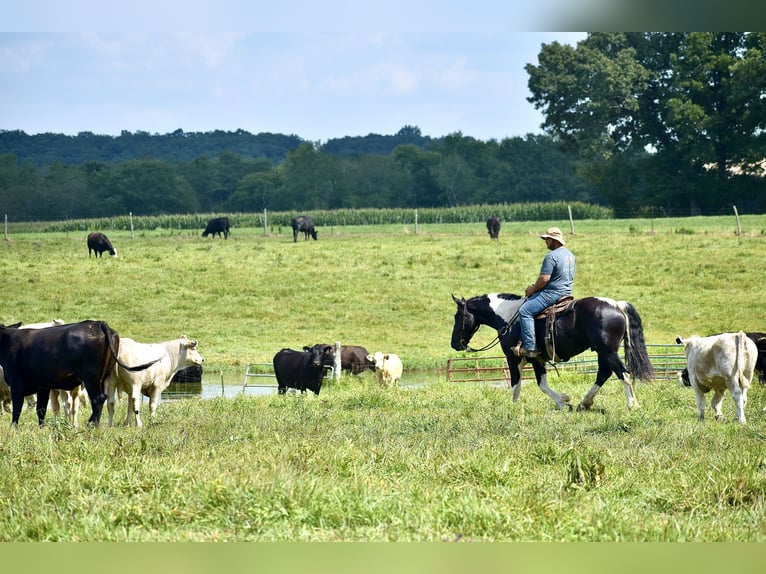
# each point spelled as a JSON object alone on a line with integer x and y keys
{"x": 554, "y": 282}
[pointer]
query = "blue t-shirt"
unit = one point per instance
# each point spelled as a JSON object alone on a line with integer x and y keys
{"x": 560, "y": 265}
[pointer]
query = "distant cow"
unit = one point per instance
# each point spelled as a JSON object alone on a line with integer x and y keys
{"x": 217, "y": 225}
{"x": 760, "y": 364}
{"x": 719, "y": 362}
{"x": 352, "y": 358}
{"x": 98, "y": 243}
{"x": 58, "y": 357}
{"x": 168, "y": 357}
{"x": 493, "y": 227}
{"x": 388, "y": 368}
{"x": 301, "y": 369}
{"x": 304, "y": 224}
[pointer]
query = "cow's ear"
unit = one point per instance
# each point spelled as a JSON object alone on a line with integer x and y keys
{"x": 307, "y": 349}
{"x": 679, "y": 341}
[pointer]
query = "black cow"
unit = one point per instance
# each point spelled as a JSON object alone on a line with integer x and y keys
{"x": 352, "y": 358}
{"x": 301, "y": 369}
{"x": 493, "y": 227}
{"x": 304, "y": 224}
{"x": 98, "y": 243}
{"x": 59, "y": 357}
{"x": 217, "y": 225}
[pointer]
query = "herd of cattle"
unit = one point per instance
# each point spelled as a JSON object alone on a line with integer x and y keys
{"x": 70, "y": 364}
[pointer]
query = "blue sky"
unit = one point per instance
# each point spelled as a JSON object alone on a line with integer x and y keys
{"x": 344, "y": 73}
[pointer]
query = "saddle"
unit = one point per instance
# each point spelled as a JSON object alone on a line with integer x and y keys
{"x": 560, "y": 307}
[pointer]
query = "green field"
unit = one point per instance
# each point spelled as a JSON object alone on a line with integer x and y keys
{"x": 444, "y": 462}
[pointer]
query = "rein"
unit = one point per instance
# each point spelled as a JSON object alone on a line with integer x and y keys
{"x": 500, "y": 333}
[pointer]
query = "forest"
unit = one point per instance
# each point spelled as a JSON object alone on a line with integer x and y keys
{"x": 640, "y": 123}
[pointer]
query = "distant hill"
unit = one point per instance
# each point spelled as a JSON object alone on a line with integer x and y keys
{"x": 179, "y": 146}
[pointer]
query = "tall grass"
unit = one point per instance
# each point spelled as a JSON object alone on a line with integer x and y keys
{"x": 444, "y": 462}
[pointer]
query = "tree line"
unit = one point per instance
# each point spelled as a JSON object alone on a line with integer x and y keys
{"x": 641, "y": 123}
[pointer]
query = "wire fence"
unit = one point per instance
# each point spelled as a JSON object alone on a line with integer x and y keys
{"x": 667, "y": 360}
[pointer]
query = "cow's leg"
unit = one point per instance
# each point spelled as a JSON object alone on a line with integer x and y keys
{"x": 42, "y": 406}
{"x": 716, "y": 402}
{"x": 739, "y": 404}
{"x": 17, "y": 403}
{"x": 97, "y": 400}
{"x": 699, "y": 397}
{"x": 111, "y": 397}
{"x": 136, "y": 400}
{"x": 53, "y": 396}
{"x": 75, "y": 398}
{"x": 154, "y": 402}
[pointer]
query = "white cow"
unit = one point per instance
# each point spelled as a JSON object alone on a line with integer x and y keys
{"x": 719, "y": 362}
{"x": 388, "y": 368}
{"x": 174, "y": 355}
{"x": 5, "y": 390}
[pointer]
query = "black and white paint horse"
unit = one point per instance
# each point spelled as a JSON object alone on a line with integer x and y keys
{"x": 595, "y": 323}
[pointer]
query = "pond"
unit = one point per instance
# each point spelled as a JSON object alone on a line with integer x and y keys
{"x": 231, "y": 383}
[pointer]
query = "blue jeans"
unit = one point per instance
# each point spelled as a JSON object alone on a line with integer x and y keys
{"x": 531, "y": 307}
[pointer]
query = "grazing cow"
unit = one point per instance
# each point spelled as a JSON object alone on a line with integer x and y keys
{"x": 168, "y": 358}
{"x": 301, "y": 369}
{"x": 388, "y": 368}
{"x": 304, "y": 224}
{"x": 98, "y": 243}
{"x": 719, "y": 362}
{"x": 352, "y": 358}
{"x": 59, "y": 357}
{"x": 217, "y": 225}
{"x": 5, "y": 390}
{"x": 493, "y": 227}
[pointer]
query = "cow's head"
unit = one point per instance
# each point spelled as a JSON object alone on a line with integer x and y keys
{"x": 189, "y": 352}
{"x": 320, "y": 355}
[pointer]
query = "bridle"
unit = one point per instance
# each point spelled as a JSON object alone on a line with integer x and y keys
{"x": 500, "y": 333}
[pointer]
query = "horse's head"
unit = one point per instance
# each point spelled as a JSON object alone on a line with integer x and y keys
{"x": 465, "y": 325}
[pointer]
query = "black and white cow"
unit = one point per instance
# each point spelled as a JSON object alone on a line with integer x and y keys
{"x": 98, "y": 243}
{"x": 493, "y": 227}
{"x": 217, "y": 226}
{"x": 301, "y": 370}
{"x": 717, "y": 363}
{"x": 304, "y": 224}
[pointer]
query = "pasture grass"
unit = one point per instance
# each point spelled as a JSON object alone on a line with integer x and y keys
{"x": 442, "y": 462}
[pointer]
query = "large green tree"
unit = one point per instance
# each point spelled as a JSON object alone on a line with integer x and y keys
{"x": 664, "y": 119}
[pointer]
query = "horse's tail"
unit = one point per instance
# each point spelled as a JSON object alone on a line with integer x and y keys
{"x": 636, "y": 354}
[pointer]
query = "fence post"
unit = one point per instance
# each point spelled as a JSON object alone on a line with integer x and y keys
{"x": 736, "y": 214}
{"x": 571, "y": 222}
{"x": 265, "y": 224}
{"x": 5, "y": 229}
{"x": 130, "y": 215}
{"x": 336, "y": 366}
{"x": 416, "y": 222}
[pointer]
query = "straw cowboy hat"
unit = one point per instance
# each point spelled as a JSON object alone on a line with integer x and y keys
{"x": 554, "y": 233}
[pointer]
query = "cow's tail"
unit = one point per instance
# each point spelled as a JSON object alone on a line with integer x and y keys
{"x": 741, "y": 359}
{"x": 636, "y": 355}
{"x": 114, "y": 344}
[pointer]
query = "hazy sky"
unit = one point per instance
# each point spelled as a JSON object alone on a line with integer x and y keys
{"x": 351, "y": 76}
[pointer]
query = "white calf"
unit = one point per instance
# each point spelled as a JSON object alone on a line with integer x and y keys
{"x": 719, "y": 362}
{"x": 71, "y": 401}
{"x": 175, "y": 355}
{"x": 388, "y": 368}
